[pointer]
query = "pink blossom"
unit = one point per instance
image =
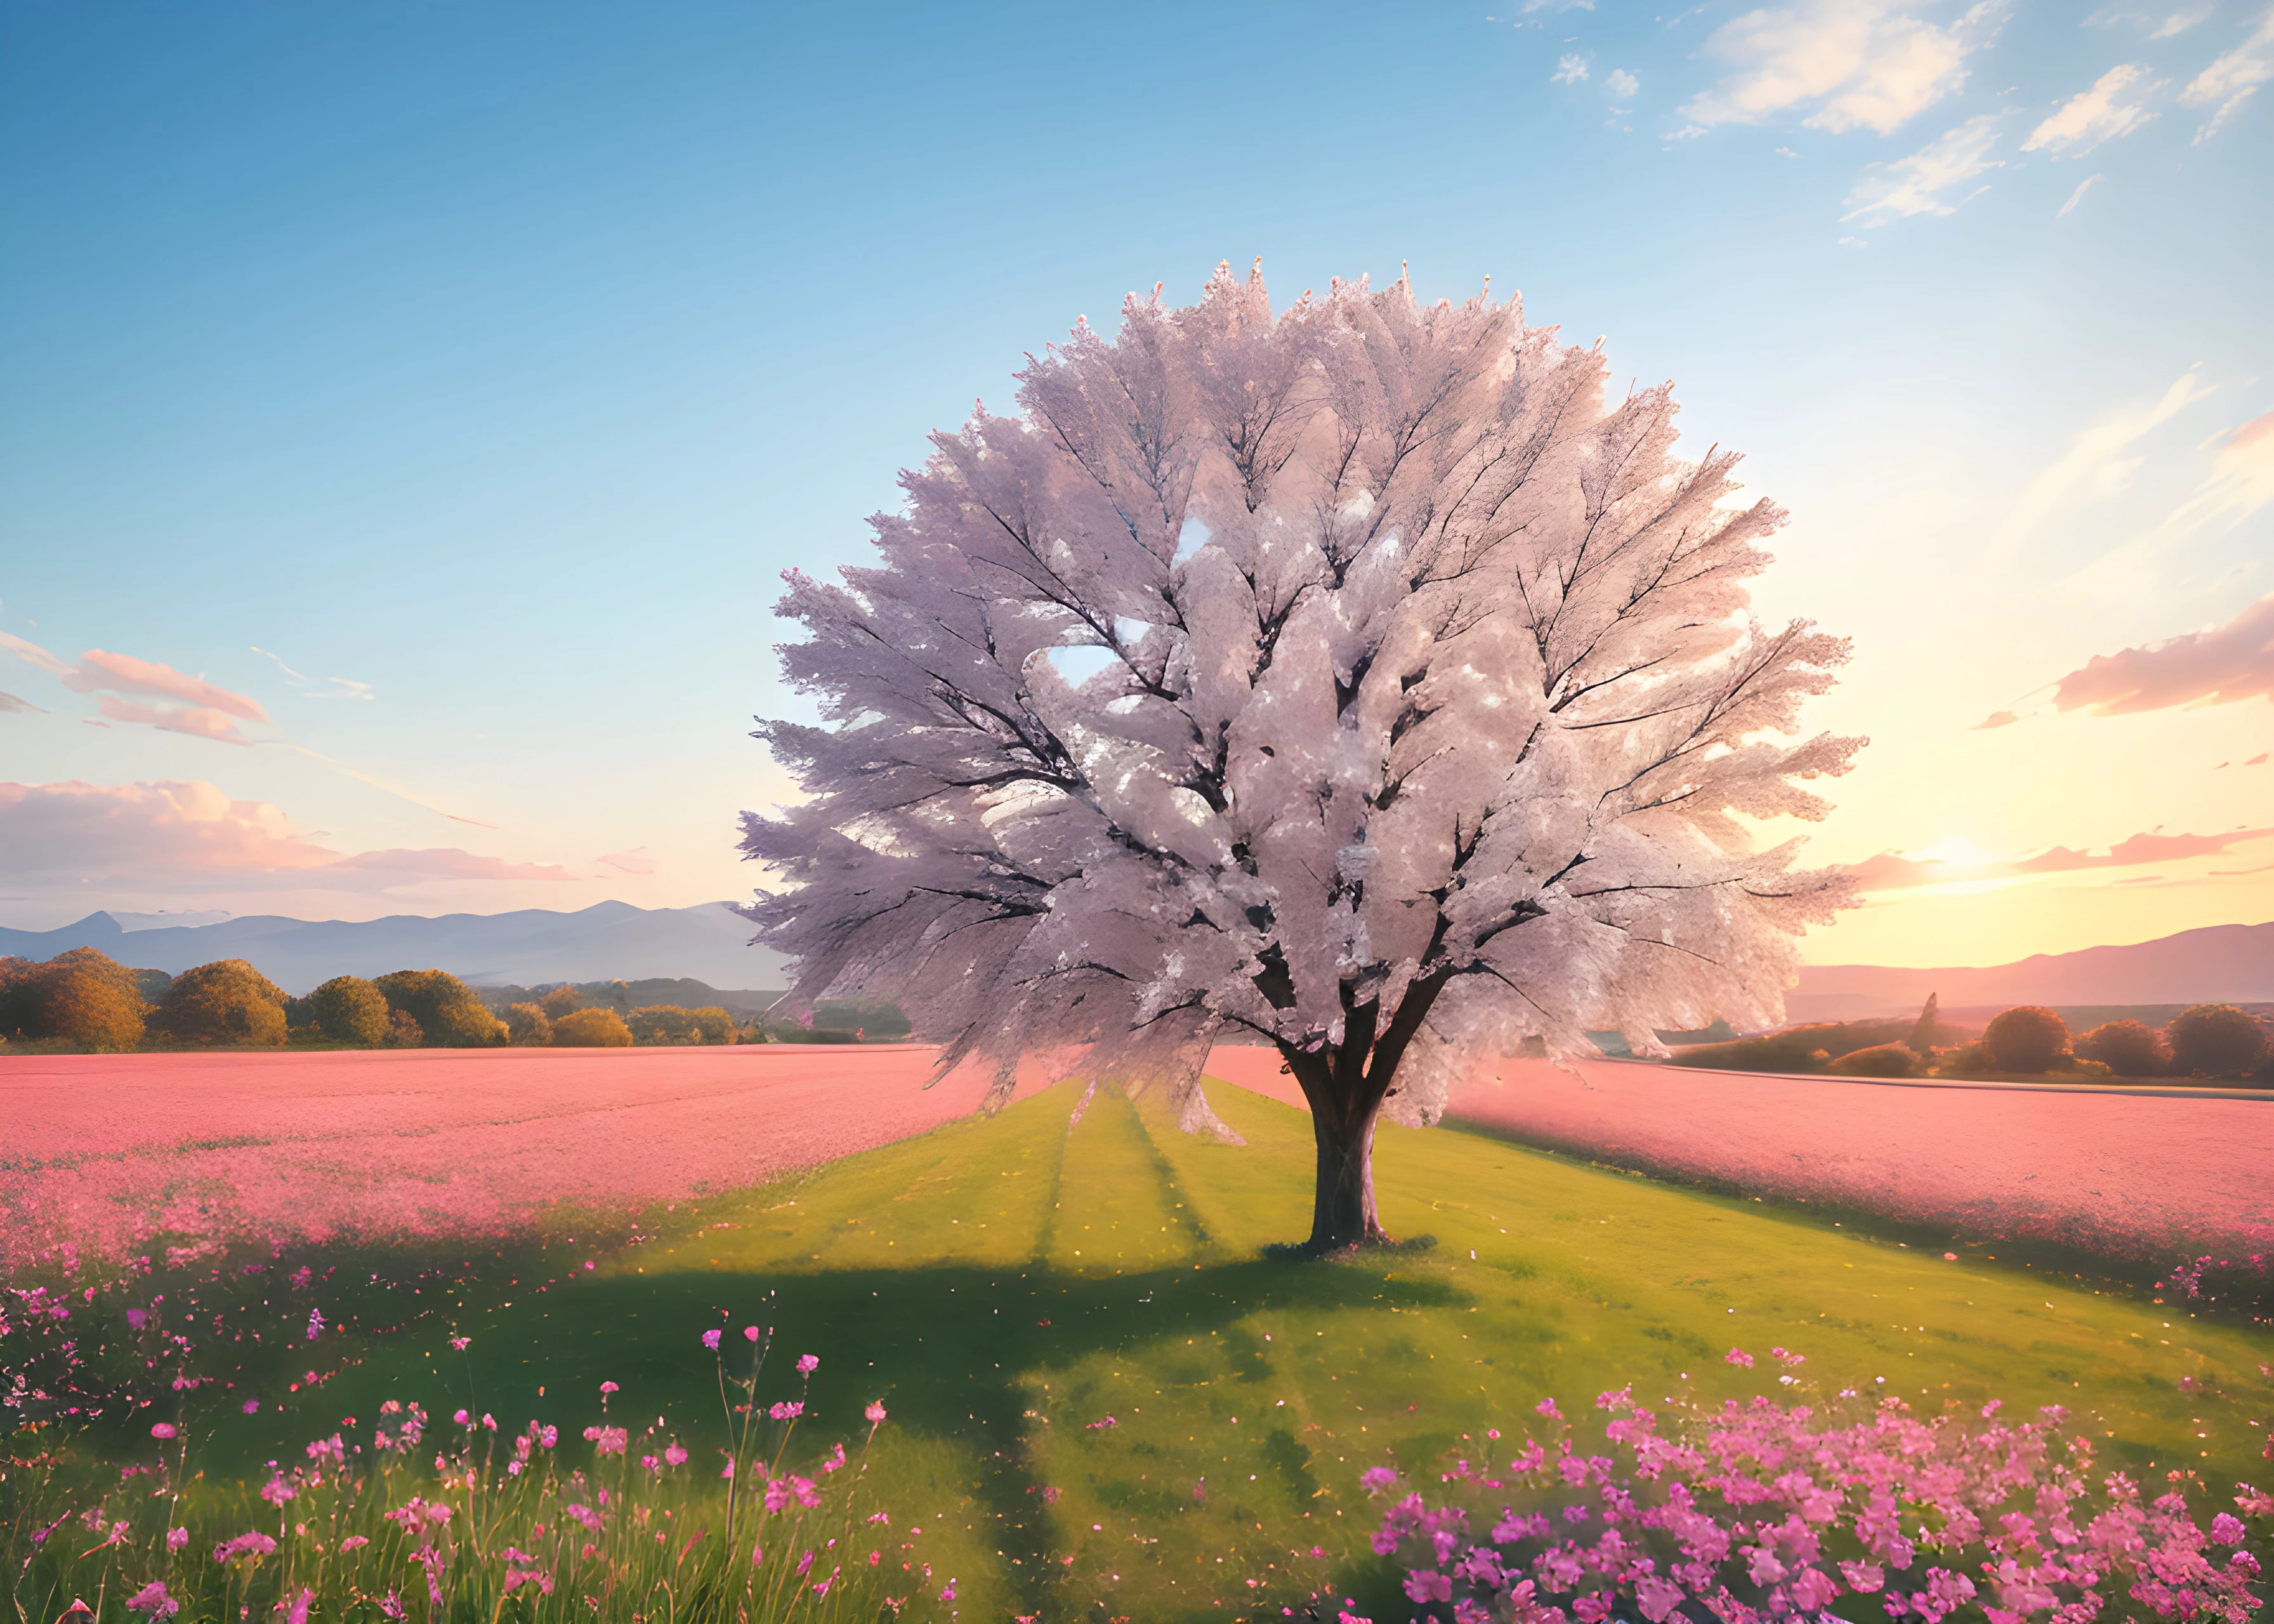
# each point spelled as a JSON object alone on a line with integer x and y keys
{"x": 875, "y": 1412}
{"x": 163, "y": 1429}
{"x": 1546, "y": 1407}
{"x": 251, "y": 1406}
{"x": 710, "y": 1340}
{"x": 788, "y": 1409}
{"x": 177, "y": 1538}
{"x": 807, "y": 1364}
{"x": 749, "y": 1333}
{"x": 255, "y": 1544}
{"x": 608, "y": 1387}
{"x": 151, "y": 1599}
{"x": 675, "y": 1456}
{"x": 1739, "y": 1356}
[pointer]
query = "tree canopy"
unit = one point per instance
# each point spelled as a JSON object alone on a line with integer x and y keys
{"x": 228, "y": 1001}
{"x": 1362, "y": 676}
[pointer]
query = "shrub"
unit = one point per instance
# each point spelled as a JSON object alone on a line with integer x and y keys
{"x": 448, "y": 1014}
{"x": 228, "y": 1001}
{"x": 1967, "y": 1060}
{"x": 591, "y": 1029}
{"x": 348, "y": 1009}
{"x": 2127, "y": 1048}
{"x": 401, "y": 1031}
{"x": 663, "y": 1024}
{"x": 2215, "y": 1040}
{"x": 2027, "y": 1039}
{"x": 1880, "y": 1060}
{"x": 563, "y": 1000}
{"x": 527, "y": 1023}
{"x": 1796, "y": 1049}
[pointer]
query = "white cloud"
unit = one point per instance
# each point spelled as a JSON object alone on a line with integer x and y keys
{"x": 2234, "y": 77}
{"x": 2241, "y": 482}
{"x": 342, "y": 688}
{"x": 2077, "y": 197}
{"x": 1623, "y": 85}
{"x": 1571, "y": 69}
{"x": 1923, "y": 182}
{"x": 2156, "y": 24}
{"x": 2116, "y": 105}
{"x": 1869, "y": 64}
{"x": 2094, "y": 466}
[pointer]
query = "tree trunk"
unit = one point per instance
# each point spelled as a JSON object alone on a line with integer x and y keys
{"x": 1342, "y": 1215}
{"x": 1345, "y": 1087}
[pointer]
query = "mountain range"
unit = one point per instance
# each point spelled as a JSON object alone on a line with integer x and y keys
{"x": 614, "y": 941}
{"x": 609, "y": 941}
{"x": 2220, "y": 963}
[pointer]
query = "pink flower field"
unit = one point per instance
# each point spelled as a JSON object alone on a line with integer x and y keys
{"x": 2134, "y": 1174}
{"x": 100, "y": 1152}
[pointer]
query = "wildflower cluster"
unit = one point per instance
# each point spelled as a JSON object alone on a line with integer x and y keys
{"x": 1763, "y": 1510}
{"x": 403, "y": 1515}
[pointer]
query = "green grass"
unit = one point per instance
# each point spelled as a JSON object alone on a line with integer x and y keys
{"x": 1002, "y": 1283}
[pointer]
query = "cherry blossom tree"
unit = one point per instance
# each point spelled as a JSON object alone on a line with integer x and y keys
{"x": 1362, "y": 678}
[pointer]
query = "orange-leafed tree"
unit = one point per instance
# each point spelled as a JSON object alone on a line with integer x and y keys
{"x": 226, "y": 1003}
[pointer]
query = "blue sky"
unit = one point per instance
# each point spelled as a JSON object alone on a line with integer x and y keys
{"x": 493, "y": 360}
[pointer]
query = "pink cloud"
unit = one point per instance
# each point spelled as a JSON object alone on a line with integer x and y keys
{"x": 1893, "y": 871}
{"x": 122, "y": 674}
{"x": 629, "y": 862}
{"x": 444, "y": 863}
{"x": 2227, "y": 663}
{"x": 1996, "y": 718}
{"x": 205, "y": 711}
{"x": 188, "y": 835}
{"x": 198, "y": 721}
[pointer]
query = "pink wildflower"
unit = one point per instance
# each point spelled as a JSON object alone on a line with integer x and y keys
{"x": 875, "y": 1412}
{"x": 151, "y": 1599}
{"x": 789, "y": 1409}
{"x": 1739, "y": 1356}
{"x": 807, "y": 1364}
{"x": 177, "y": 1538}
{"x": 749, "y": 1333}
{"x": 165, "y": 1429}
{"x": 711, "y": 1341}
{"x": 673, "y": 1455}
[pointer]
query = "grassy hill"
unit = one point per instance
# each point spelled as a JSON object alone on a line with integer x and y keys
{"x": 1004, "y": 1285}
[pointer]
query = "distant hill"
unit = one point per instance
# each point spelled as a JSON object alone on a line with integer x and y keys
{"x": 2221, "y": 964}
{"x": 609, "y": 941}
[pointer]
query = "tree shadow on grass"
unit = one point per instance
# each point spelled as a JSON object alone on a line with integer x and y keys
{"x": 945, "y": 1348}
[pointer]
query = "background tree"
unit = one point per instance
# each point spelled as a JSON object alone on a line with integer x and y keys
{"x": 2215, "y": 1040}
{"x": 403, "y": 1031}
{"x": 448, "y": 1013}
{"x": 713, "y": 1024}
{"x": 527, "y": 1023}
{"x": 591, "y": 1029}
{"x": 81, "y": 996}
{"x": 563, "y": 1000}
{"x": 878, "y": 1018}
{"x": 2127, "y": 1047}
{"x": 1412, "y": 711}
{"x": 2027, "y": 1039}
{"x": 225, "y": 1003}
{"x": 347, "y": 1009}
